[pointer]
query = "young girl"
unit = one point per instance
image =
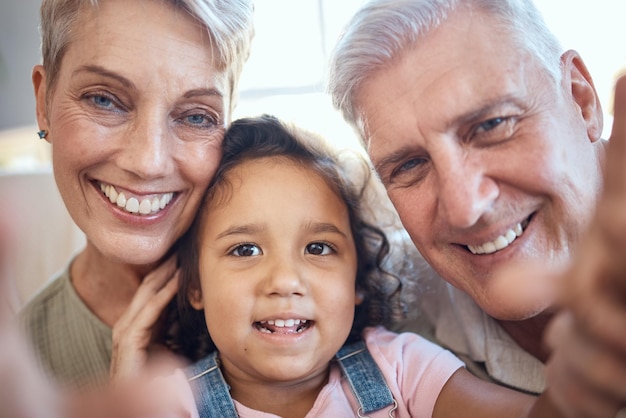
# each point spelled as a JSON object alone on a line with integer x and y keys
{"x": 283, "y": 270}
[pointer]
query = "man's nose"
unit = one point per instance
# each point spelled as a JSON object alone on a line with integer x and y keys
{"x": 465, "y": 190}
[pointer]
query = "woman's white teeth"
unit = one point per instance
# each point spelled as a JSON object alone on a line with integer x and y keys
{"x": 132, "y": 204}
{"x": 499, "y": 243}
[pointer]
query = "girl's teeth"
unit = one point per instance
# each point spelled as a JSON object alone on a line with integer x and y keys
{"x": 280, "y": 323}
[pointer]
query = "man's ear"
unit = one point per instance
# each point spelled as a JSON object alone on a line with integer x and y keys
{"x": 583, "y": 92}
{"x": 194, "y": 295}
{"x": 40, "y": 86}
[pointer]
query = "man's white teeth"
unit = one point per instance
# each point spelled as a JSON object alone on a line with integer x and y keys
{"x": 132, "y": 204}
{"x": 499, "y": 243}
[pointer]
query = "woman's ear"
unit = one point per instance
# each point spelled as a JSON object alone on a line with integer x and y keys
{"x": 194, "y": 295}
{"x": 583, "y": 92}
{"x": 40, "y": 86}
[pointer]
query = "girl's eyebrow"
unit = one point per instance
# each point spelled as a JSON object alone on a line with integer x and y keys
{"x": 319, "y": 227}
{"x": 241, "y": 229}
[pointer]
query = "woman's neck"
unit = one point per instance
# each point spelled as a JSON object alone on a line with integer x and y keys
{"x": 105, "y": 286}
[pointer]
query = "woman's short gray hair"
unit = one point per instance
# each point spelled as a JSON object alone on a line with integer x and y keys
{"x": 383, "y": 29}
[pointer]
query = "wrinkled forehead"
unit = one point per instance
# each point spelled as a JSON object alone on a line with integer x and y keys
{"x": 144, "y": 35}
{"x": 454, "y": 72}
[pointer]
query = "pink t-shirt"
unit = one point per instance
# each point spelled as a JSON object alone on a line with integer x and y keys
{"x": 415, "y": 370}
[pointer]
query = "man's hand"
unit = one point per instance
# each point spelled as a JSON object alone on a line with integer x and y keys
{"x": 587, "y": 369}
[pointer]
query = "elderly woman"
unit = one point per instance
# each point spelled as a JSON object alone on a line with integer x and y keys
{"x": 134, "y": 98}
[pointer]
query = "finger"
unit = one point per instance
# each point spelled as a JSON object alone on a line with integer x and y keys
{"x": 618, "y": 132}
{"x": 599, "y": 366}
{"x": 575, "y": 399}
{"x": 615, "y": 170}
{"x": 132, "y": 335}
{"x": 154, "y": 281}
{"x": 603, "y": 318}
{"x": 527, "y": 286}
{"x": 149, "y": 287}
{"x": 152, "y": 310}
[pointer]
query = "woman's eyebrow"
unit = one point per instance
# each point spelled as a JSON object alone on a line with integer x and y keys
{"x": 203, "y": 92}
{"x": 96, "y": 69}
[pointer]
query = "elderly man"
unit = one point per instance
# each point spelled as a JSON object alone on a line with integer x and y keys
{"x": 487, "y": 137}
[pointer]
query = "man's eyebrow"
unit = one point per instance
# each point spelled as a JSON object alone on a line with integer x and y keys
{"x": 106, "y": 73}
{"x": 393, "y": 158}
{"x": 485, "y": 110}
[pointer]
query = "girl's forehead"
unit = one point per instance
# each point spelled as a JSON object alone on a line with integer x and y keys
{"x": 274, "y": 172}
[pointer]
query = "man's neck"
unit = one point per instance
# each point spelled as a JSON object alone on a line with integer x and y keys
{"x": 529, "y": 334}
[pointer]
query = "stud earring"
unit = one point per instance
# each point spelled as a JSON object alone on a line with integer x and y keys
{"x": 42, "y": 134}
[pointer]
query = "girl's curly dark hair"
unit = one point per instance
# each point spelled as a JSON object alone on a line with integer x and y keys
{"x": 265, "y": 136}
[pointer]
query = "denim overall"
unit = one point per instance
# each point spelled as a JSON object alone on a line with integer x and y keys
{"x": 213, "y": 399}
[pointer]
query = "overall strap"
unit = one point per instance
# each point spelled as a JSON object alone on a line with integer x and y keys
{"x": 365, "y": 378}
{"x": 211, "y": 392}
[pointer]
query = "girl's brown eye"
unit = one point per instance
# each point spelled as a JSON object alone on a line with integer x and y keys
{"x": 246, "y": 250}
{"x": 318, "y": 248}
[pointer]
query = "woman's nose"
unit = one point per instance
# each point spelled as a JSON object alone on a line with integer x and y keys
{"x": 148, "y": 148}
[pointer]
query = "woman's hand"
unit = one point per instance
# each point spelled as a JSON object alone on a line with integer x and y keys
{"x": 133, "y": 332}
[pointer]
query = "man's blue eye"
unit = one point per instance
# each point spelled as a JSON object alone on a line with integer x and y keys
{"x": 409, "y": 165}
{"x": 491, "y": 124}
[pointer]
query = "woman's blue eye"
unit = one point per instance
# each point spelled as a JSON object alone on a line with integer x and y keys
{"x": 102, "y": 101}
{"x": 246, "y": 250}
{"x": 318, "y": 248}
{"x": 196, "y": 119}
